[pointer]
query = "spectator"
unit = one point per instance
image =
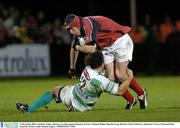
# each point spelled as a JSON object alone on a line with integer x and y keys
{"x": 174, "y": 48}
{"x": 60, "y": 34}
{"x": 4, "y": 40}
{"x": 165, "y": 29}
{"x": 14, "y": 35}
{"x": 139, "y": 34}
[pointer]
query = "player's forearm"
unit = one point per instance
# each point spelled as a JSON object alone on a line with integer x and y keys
{"x": 73, "y": 58}
{"x": 124, "y": 86}
{"x": 86, "y": 48}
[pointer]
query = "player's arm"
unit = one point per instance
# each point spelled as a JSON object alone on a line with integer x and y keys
{"x": 87, "y": 43}
{"x": 90, "y": 28}
{"x": 113, "y": 88}
{"x": 73, "y": 58}
{"x": 86, "y": 48}
{"x": 123, "y": 86}
{"x": 73, "y": 53}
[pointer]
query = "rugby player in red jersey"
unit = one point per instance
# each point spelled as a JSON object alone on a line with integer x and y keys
{"x": 115, "y": 44}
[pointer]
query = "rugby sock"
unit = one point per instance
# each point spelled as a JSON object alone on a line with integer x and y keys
{"x": 43, "y": 100}
{"x": 136, "y": 87}
{"x": 127, "y": 95}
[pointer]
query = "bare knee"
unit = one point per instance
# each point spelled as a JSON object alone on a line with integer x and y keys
{"x": 122, "y": 76}
{"x": 111, "y": 76}
{"x": 55, "y": 90}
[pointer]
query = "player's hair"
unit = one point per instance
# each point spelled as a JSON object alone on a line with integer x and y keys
{"x": 69, "y": 18}
{"x": 94, "y": 59}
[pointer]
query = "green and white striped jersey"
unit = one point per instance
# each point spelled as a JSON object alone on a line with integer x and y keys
{"x": 92, "y": 83}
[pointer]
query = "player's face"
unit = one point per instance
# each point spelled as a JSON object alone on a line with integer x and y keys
{"x": 75, "y": 31}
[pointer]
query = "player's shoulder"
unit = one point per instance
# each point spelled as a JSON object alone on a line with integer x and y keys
{"x": 97, "y": 17}
{"x": 92, "y": 73}
{"x": 100, "y": 76}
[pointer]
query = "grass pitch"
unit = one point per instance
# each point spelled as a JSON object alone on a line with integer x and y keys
{"x": 163, "y": 98}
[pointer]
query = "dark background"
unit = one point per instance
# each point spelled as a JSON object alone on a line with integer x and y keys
{"x": 148, "y": 57}
{"x": 115, "y": 9}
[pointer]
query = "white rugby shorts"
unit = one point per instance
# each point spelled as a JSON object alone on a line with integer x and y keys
{"x": 120, "y": 51}
{"x": 65, "y": 96}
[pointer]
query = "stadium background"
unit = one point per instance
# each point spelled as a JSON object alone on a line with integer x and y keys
{"x": 155, "y": 62}
{"x": 152, "y": 48}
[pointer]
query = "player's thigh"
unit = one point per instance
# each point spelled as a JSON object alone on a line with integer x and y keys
{"x": 124, "y": 49}
{"x": 110, "y": 70}
{"x": 108, "y": 56}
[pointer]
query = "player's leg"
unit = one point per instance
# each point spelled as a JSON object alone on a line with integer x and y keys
{"x": 44, "y": 99}
{"x": 110, "y": 70}
{"x": 121, "y": 69}
{"x": 142, "y": 94}
{"x": 109, "y": 64}
{"x": 123, "y": 56}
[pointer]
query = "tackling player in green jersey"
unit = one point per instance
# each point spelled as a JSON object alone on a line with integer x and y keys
{"x": 84, "y": 95}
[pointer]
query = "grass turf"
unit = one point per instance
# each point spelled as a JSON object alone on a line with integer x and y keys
{"x": 163, "y": 97}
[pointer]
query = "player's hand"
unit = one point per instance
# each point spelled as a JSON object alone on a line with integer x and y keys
{"x": 130, "y": 73}
{"x": 72, "y": 74}
{"x": 81, "y": 41}
{"x": 77, "y": 47}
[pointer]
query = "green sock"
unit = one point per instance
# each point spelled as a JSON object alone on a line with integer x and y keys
{"x": 43, "y": 100}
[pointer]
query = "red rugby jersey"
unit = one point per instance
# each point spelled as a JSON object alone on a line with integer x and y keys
{"x": 102, "y": 30}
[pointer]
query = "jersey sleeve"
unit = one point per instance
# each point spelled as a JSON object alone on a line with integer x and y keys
{"x": 104, "y": 84}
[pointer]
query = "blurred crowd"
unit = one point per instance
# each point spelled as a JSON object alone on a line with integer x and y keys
{"x": 157, "y": 45}
{"x": 24, "y": 27}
